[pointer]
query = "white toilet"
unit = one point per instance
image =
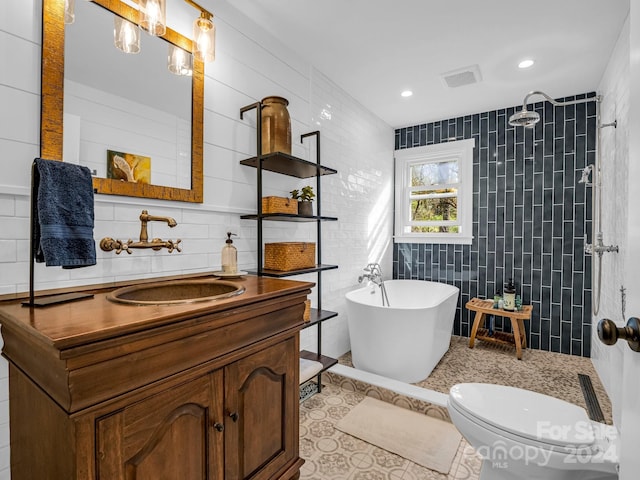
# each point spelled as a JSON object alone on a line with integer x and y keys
{"x": 526, "y": 435}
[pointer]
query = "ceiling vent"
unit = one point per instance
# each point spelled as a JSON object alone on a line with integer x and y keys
{"x": 462, "y": 76}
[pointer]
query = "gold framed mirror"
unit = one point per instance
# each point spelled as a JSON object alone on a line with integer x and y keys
{"x": 53, "y": 104}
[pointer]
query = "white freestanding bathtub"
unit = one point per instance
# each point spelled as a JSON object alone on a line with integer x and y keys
{"x": 407, "y": 339}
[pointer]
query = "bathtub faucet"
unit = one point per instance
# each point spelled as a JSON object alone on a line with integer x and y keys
{"x": 372, "y": 273}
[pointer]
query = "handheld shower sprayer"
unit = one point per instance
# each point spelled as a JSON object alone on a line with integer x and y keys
{"x": 586, "y": 172}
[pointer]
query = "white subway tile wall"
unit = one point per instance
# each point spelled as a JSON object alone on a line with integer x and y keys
{"x": 615, "y": 91}
{"x": 249, "y": 65}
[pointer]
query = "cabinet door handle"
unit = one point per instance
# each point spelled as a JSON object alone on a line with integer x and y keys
{"x": 218, "y": 426}
{"x": 234, "y": 416}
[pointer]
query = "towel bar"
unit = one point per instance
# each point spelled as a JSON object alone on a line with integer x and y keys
{"x": 50, "y": 299}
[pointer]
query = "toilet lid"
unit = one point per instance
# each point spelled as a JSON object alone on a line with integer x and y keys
{"x": 524, "y": 413}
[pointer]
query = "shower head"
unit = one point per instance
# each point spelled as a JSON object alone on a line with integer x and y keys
{"x": 524, "y": 118}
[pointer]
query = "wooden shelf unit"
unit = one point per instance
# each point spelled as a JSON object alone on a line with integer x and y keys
{"x": 281, "y": 273}
{"x": 327, "y": 362}
{"x": 286, "y": 164}
{"x": 288, "y": 217}
{"x": 318, "y": 316}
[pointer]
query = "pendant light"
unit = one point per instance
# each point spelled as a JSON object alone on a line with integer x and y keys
{"x": 153, "y": 16}
{"x": 69, "y": 11}
{"x": 126, "y": 35}
{"x": 204, "y": 37}
{"x": 180, "y": 62}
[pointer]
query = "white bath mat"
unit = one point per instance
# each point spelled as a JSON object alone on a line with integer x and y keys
{"x": 424, "y": 440}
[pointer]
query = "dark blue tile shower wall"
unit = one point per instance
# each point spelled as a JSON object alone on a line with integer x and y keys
{"x": 530, "y": 215}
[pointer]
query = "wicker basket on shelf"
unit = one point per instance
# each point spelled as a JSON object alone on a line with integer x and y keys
{"x": 279, "y": 205}
{"x": 287, "y": 256}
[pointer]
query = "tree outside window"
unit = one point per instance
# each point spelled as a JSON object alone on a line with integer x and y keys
{"x": 434, "y": 187}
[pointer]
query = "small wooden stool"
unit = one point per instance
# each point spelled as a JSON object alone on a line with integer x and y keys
{"x": 484, "y": 307}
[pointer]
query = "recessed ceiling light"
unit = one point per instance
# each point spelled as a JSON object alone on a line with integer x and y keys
{"x": 526, "y": 63}
{"x": 407, "y": 93}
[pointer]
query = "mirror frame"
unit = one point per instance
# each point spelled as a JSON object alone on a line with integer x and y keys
{"x": 52, "y": 104}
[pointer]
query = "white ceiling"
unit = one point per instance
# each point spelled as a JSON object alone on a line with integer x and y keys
{"x": 374, "y": 49}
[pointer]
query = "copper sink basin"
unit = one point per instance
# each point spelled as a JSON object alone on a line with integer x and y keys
{"x": 175, "y": 292}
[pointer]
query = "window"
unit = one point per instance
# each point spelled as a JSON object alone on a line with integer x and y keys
{"x": 433, "y": 193}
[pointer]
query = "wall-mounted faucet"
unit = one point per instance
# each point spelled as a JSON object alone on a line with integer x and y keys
{"x": 599, "y": 247}
{"x": 108, "y": 244}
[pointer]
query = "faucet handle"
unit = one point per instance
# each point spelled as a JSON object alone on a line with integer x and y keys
{"x": 124, "y": 246}
{"x": 107, "y": 244}
{"x": 171, "y": 245}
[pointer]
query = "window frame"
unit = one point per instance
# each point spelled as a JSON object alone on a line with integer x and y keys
{"x": 460, "y": 151}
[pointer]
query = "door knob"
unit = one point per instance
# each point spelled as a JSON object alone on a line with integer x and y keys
{"x": 234, "y": 416}
{"x": 609, "y": 333}
{"x": 218, "y": 426}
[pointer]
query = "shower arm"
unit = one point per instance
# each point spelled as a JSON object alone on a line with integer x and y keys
{"x": 597, "y": 99}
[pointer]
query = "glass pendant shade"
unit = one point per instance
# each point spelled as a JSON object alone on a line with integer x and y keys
{"x": 126, "y": 35}
{"x": 180, "y": 62}
{"x": 153, "y": 16}
{"x": 204, "y": 39}
{"x": 69, "y": 11}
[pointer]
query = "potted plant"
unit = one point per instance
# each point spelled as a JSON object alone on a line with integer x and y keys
{"x": 304, "y": 197}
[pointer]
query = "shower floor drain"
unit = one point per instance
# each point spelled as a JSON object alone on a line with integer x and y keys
{"x": 593, "y": 406}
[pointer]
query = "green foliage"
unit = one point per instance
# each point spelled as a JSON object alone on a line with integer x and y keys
{"x": 306, "y": 195}
{"x": 443, "y": 208}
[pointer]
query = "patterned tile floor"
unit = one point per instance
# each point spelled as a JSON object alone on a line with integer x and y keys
{"x": 550, "y": 373}
{"x": 554, "y": 374}
{"x": 333, "y": 455}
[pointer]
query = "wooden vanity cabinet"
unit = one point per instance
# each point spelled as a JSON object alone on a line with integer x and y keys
{"x": 261, "y": 392}
{"x": 216, "y": 426}
{"x": 233, "y": 414}
{"x": 168, "y": 435}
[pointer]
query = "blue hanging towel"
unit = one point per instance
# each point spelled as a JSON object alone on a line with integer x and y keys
{"x": 65, "y": 214}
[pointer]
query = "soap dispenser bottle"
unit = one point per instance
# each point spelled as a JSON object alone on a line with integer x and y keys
{"x": 229, "y": 256}
{"x": 510, "y": 296}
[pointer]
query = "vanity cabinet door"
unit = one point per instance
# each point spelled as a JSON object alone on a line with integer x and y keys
{"x": 174, "y": 435}
{"x": 261, "y": 399}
